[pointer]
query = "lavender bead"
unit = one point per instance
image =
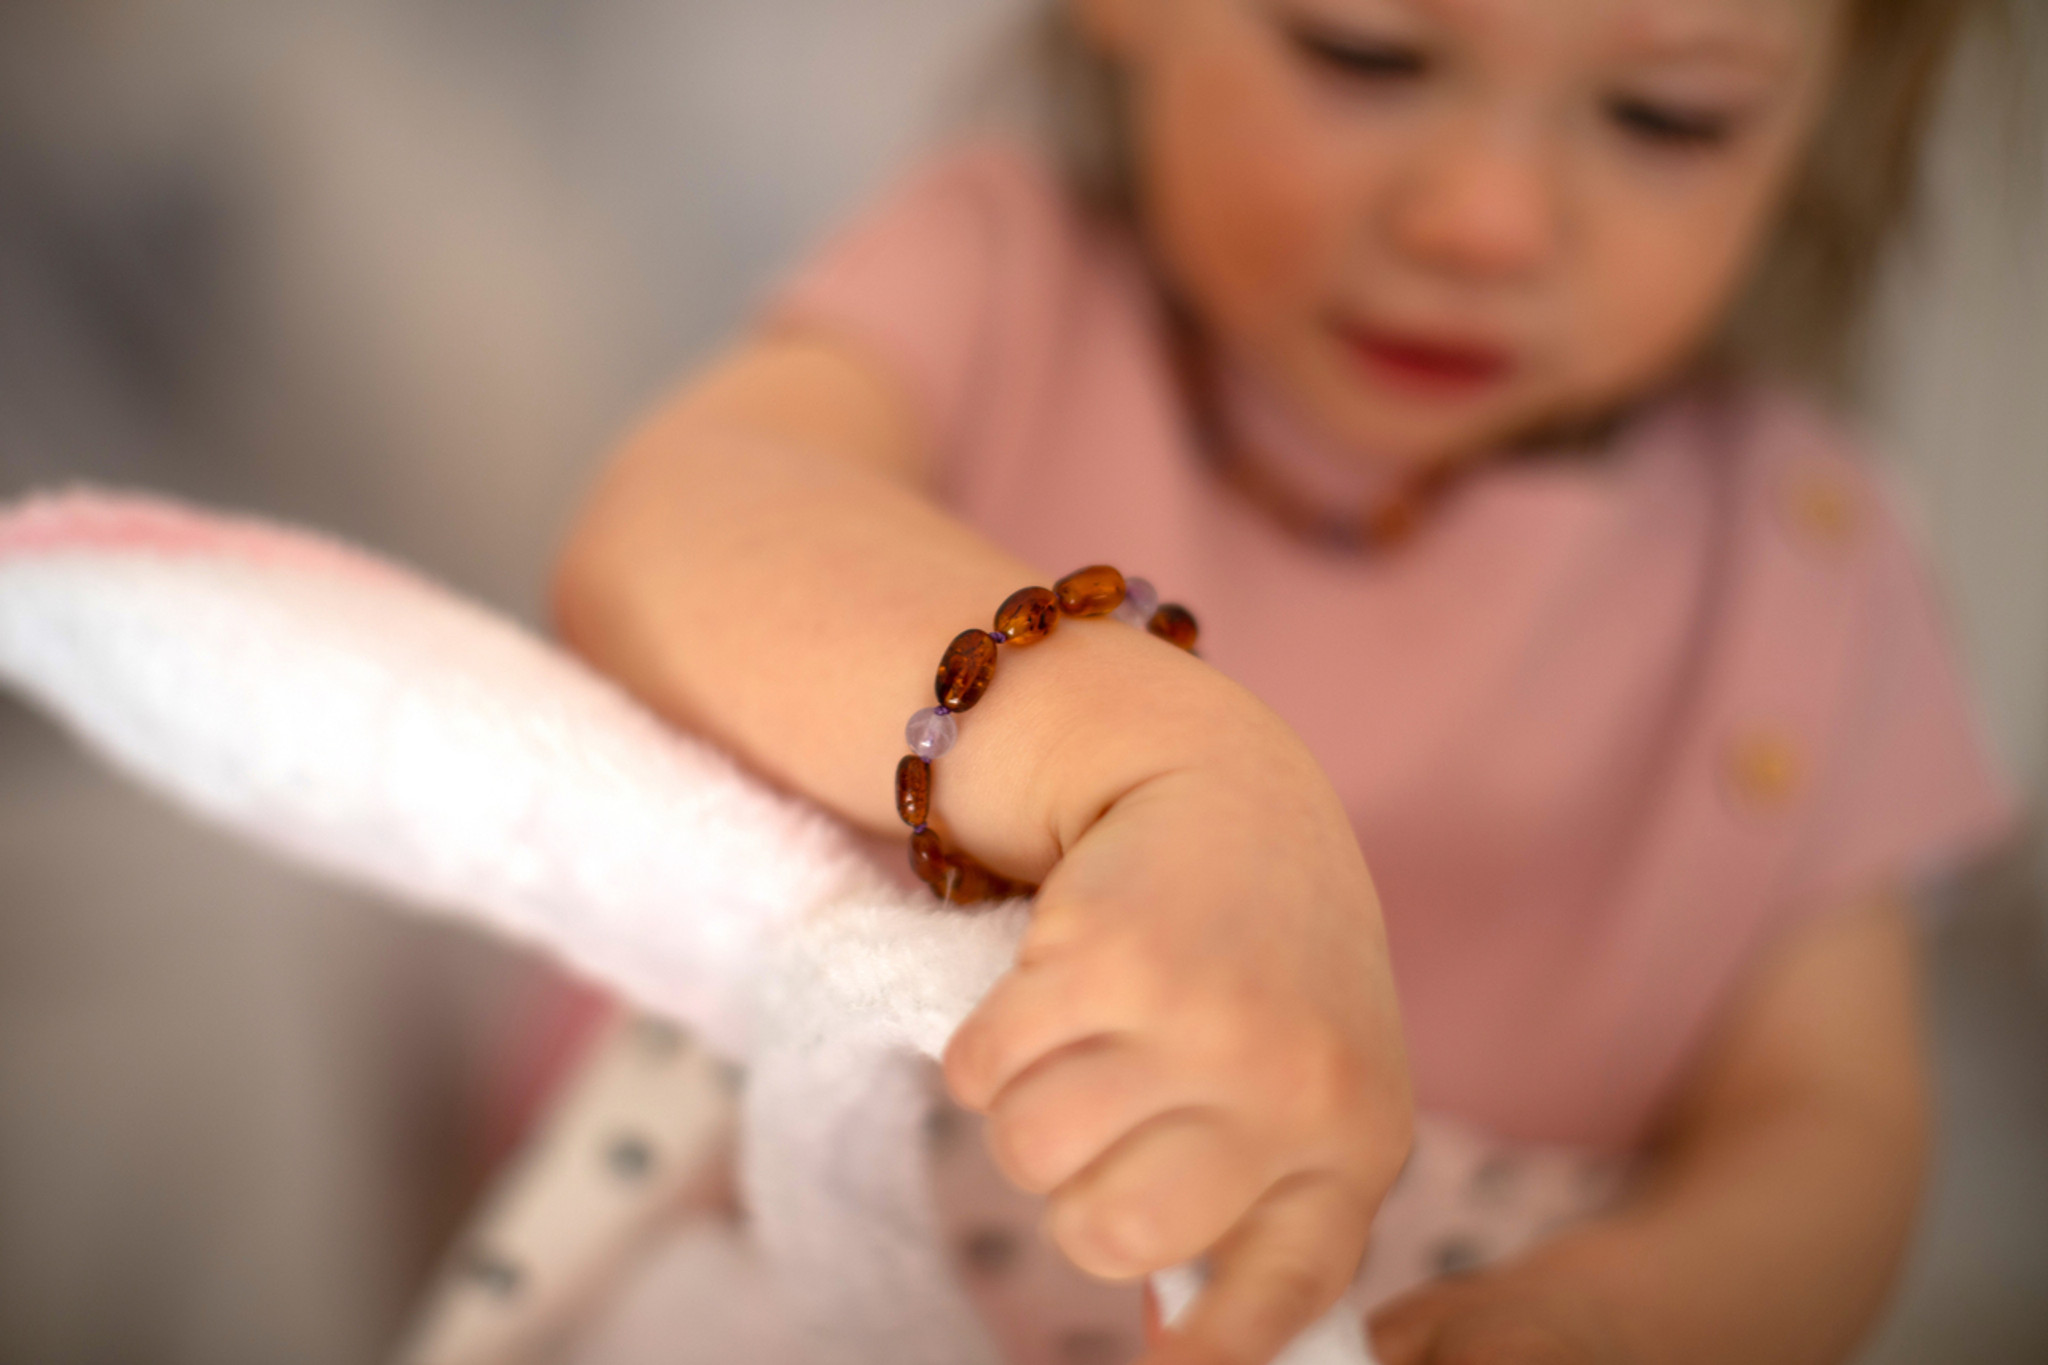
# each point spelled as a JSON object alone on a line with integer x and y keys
{"x": 1141, "y": 599}
{"x": 931, "y": 732}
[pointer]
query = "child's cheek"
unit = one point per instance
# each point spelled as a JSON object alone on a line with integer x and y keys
{"x": 1243, "y": 203}
{"x": 1669, "y": 251}
{"x": 1652, "y": 295}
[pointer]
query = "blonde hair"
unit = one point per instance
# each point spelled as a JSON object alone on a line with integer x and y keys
{"x": 1803, "y": 311}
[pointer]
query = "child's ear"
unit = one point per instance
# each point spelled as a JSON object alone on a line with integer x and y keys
{"x": 1117, "y": 28}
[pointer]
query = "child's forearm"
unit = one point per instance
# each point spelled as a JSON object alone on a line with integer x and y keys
{"x": 1775, "y": 1220}
{"x": 1197, "y": 1050}
{"x": 754, "y": 571}
{"x": 1774, "y": 1242}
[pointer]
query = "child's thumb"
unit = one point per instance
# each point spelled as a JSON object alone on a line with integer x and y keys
{"x": 1283, "y": 1267}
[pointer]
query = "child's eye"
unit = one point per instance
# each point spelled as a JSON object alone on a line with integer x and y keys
{"x": 1668, "y": 125}
{"x": 1358, "y": 57}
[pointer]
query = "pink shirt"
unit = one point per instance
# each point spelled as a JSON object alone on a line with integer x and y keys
{"x": 1605, "y": 727}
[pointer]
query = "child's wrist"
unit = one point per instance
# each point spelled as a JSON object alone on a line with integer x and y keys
{"x": 1076, "y": 723}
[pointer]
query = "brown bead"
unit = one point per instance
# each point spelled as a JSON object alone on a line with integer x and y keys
{"x": 967, "y": 881}
{"x": 1002, "y": 888}
{"x": 957, "y": 878}
{"x": 966, "y": 670}
{"x": 974, "y": 883}
{"x": 1174, "y": 624}
{"x": 1094, "y": 591}
{"x": 970, "y": 883}
{"x": 1027, "y": 615}
{"x": 954, "y": 878}
{"x": 914, "y": 790}
{"x": 928, "y": 859}
{"x": 1393, "y": 523}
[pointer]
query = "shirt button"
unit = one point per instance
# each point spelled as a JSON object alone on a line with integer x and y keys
{"x": 1764, "y": 769}
{"x": 1820, "y": 507}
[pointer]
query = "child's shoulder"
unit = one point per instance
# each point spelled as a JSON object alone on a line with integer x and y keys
{"x": 994, "y": 162}
{"x": 994, "y": 170}
{"x": 971, "y": 269}
{"x": 1747, "y": 427}
{"x": 1830, "y": 622}
{"x": 993, "y": 204}
{"x": 1807, "y": 553}
{"x": 1781, "y": 467}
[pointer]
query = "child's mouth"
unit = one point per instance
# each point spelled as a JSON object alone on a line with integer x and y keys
{"x": 1427, "y": 366}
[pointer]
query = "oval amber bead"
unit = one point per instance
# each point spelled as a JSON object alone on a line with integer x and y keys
{"x": 1001, "y": 888}
{"x": 1028, "y": 615}
{"x": 967, "y": 881}
{"x": 914, "y": 790}
{"x": 1093, "y": 591}
{"x": 966, "y": 670}
{"x": 928, "y": 860}
{"x": 1174, "y": 624}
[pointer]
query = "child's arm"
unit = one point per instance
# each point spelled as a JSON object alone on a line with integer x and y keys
{"x": 1199, "y": 1047}
{"x": 1777, "y": 1213}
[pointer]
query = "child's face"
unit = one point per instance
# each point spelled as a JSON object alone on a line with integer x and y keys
{"x": 1436, "y": 224}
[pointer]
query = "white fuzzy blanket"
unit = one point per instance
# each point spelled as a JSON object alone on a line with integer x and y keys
{"x": 346, "y": 712}
{"x": 332, "y": 706}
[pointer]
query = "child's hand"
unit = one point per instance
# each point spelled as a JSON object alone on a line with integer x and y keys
{"x": 1494, "y": 1319}
{"x": 1198, "y": 1050}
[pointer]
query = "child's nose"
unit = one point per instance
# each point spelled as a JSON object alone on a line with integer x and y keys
{"x": 1482, "y": 201}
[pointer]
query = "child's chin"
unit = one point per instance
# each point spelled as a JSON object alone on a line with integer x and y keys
{"x": 1411, "y": 436}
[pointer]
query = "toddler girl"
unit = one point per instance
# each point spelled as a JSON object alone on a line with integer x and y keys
{"x": 1399, "y": 339}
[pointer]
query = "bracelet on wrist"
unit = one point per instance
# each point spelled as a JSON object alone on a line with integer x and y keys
{"x": 967, "y": 668}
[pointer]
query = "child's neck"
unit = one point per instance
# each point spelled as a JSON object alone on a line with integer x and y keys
{"x": 1311, "y": 464}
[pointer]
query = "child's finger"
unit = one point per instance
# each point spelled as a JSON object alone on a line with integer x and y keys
{"x": 1401, "y": 1332}
{"x": 1055, "y": 1119}
{"x": 1030, "y": 1014}
{"x": 1162, "y": 1195}
{"x": 1282, "y": 1268}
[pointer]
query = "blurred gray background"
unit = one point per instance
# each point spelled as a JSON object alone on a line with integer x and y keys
{"x": 403, "y": 268}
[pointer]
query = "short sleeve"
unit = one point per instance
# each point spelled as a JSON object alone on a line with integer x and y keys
{"x": 921, "y": 281}
{"x": 1907, "y": 788}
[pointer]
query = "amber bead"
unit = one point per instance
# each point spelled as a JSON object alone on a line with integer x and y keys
{"x": 1027, "y": 615}
{"x": 957, "y": 878}
{"x": 1174, "y": 624}
{"x": 928, "y": 859}
{"x": 966, "y": 670}
{"x": 973, "y": 883}
{"x": 967, "y": 881}
{"x": 1093, "y": 591}
{"x": 1001, "y": 888}
{"x": 914, "y": 790}
{"x": 1393, "y": 523}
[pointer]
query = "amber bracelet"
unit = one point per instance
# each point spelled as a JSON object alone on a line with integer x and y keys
{"x": 1027, "y": 616}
